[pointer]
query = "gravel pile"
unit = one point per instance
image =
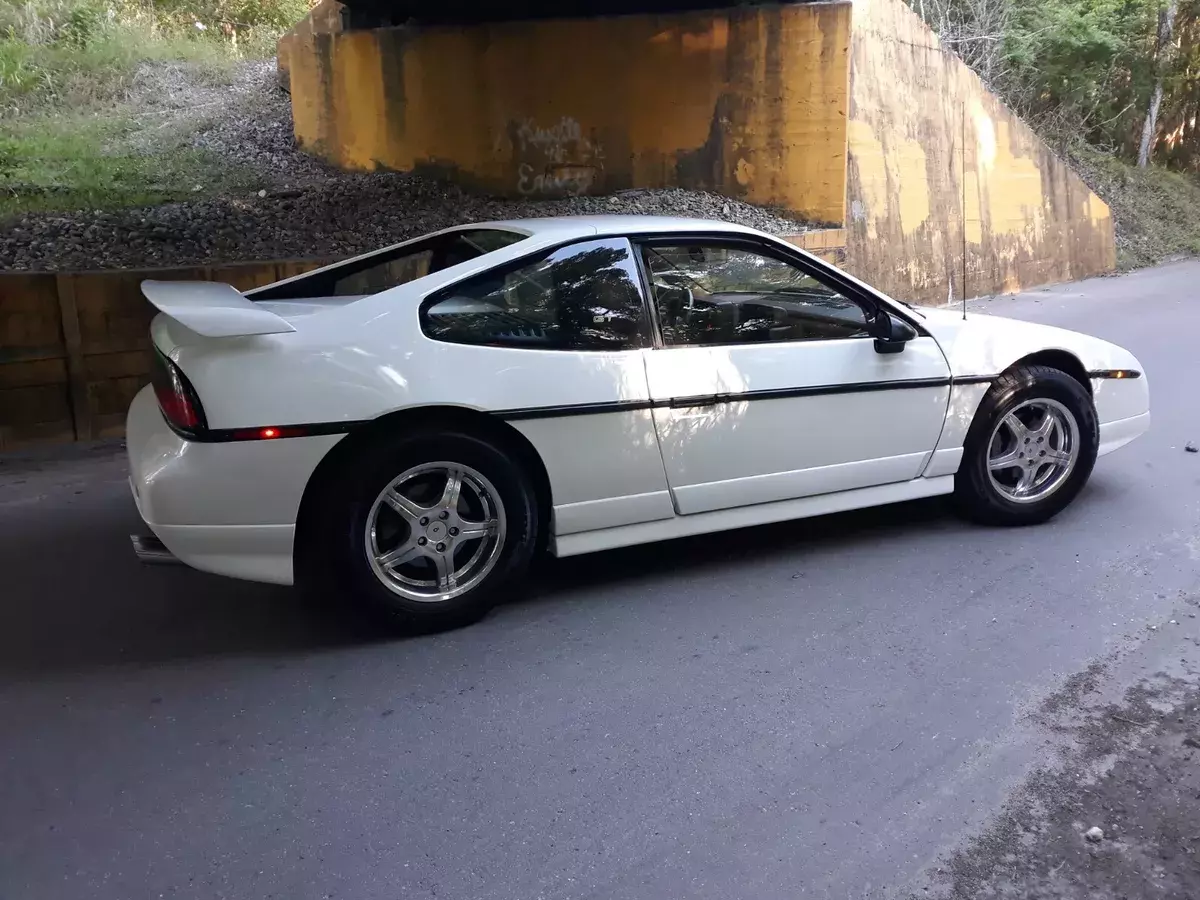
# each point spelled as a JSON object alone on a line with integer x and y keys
{"x": 343, "y": 217}
{"x": 309, "y": 210}
{"x": 255, "y": 129}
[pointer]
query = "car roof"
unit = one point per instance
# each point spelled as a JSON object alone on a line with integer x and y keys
{"x": 544, "y": 232}
{"x": 568, "y": 226}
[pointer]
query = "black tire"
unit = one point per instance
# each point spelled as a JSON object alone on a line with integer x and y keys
{"x": 334, "y": 559}
{"x": 976, "y": 497}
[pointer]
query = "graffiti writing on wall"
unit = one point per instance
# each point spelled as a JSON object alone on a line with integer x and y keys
{"x": 573, "y": 181}
{"x": 557, "y": 159}
{"x": 561, "y": 142}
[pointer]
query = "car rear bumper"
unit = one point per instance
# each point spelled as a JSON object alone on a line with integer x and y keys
{"x": 250, "y": 552}
{"x": 226, "y": 508}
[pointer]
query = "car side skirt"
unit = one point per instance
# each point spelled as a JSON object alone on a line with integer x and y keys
{"x": 749, "y": 516}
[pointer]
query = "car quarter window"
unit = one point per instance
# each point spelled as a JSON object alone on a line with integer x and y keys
{"x": 584, "y": 296}
{"x": 391, "y": 268}
{"x": 711, "y": 293}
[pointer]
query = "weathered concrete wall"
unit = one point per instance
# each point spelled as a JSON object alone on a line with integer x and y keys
{"x": 324, "y": 18}
{"x": 749, "y": 102}
{"x": 946, "y": 190}
{"x": 928, "y": 143}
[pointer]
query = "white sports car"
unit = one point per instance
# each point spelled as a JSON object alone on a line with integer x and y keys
{"x": 411, "y": 427}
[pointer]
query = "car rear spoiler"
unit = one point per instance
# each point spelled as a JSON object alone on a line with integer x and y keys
{"x": 212, "y": 309}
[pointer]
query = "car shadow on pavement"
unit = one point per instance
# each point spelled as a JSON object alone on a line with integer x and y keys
{"x": 802, "y": 542}
{"x": 760, "y": 545}
{"x": 75, "y": 599}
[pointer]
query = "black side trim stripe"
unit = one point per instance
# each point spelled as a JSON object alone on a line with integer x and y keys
{"x": 583, "y": 409}
{"x": 280, "y": 432}
{"x": 865, "y": 387}
{"x": 1114, "y": 373}
{"x": 575, "y": 409}
{"x": 975, "y": 379}
{"x": 265, "y": 432}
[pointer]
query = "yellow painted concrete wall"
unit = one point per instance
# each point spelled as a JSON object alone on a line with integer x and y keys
{"x": 324, "y": 18}
{"x": 927, "y": 142}
{"x": 751, "y": 103}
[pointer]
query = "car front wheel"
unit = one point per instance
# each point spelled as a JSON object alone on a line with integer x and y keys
{"x": 1030, "y": 449}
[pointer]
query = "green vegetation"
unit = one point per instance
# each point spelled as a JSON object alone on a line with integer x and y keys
{"x": 1115, "y": 84}
{"x": 72, "y": 53}
{"x": 76, "y": 162}
{"x": 66, "y": 71}
{"x": 1157, "y": 210}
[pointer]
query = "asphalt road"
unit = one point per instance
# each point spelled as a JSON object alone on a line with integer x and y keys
{"x": 820, "y": 709}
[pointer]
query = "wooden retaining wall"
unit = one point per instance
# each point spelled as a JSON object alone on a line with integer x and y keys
{"x": 75, "y": 347}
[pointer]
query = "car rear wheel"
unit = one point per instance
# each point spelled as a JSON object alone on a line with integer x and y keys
{"x": 427, "y": 531}
{"x": 1030, "y": 449}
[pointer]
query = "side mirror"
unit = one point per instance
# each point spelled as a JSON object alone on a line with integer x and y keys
{"x": 891, "y": 334}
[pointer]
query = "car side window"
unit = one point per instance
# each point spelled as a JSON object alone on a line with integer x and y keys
{"x": 581, "y": 297}
{"x": 710, "y": 294}
{"x": 441, "y": 252}
{"x": 385, "y": 275}
{"x": 392, "y": 267}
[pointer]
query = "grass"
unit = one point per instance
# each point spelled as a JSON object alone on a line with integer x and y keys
{"x": 69, "y": 54}
{"x": 1157, "y": 211}
{"x": 71, "y": 162}
{"x": 40, "y": 79}
{"x": 66, "y": 69}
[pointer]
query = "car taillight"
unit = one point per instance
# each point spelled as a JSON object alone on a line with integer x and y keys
{"x": 176, "y": 398}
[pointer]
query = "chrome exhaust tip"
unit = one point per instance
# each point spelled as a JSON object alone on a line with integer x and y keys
{"x": 151, "y": 551}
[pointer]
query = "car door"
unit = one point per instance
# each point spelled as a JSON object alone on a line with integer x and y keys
{"x": 766, "y": 382}
{"x": 552, "y": 344}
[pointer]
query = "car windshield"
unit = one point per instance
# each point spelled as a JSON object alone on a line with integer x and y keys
{"x": 389, "y": 268}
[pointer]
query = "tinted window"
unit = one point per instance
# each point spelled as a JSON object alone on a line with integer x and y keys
{"x": 581, "y": 297}
{"x": 710, "y": 294}
{"x": 390, "y": 268}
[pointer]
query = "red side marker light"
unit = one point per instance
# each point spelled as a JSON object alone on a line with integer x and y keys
{"x": 270, "y": 432}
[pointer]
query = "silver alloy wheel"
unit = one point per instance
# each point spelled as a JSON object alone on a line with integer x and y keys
{"x": 435, "y": 532}
{"x": 1033, "y": 450}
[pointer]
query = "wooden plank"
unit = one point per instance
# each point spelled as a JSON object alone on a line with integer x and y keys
{"x": 35, "y": 414}
{"x": 75, "y": 347}
{"x": 245, "y": 277}
{"x": 111, "y": 397}
{"x": 30, "y": 326}
{"x": 113, "y": 314}
{"x": 34, "y": 374}
{"x": 76, "y": 374}
{"x": 13, "y": 355}
{"x": 134, "y": 364}
{"x": 289, "y": 269}
{"x": 61, "y": 432}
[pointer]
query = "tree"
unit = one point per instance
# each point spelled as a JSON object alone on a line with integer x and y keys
{"x": 1162, "y": 61}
